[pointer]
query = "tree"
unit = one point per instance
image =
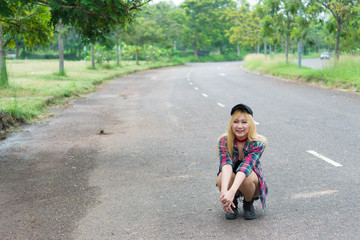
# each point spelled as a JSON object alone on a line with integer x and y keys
{"x": 351, "y": 41}
{"x": 341, "y": 10}
{"x": 169, "y": 20}
{"x": 142, "y": 31}
{"x": 318, "y": 37}
{"x": 245, "y": 27}
{"x": 92, "y": 19}
{"x": 286, "y": 15}
{"x": 199, "y": 16}
{"x": 267, "y": 23}
{"x": 218, "y": 31}
{"x": 61, "y": 47}
{"x": 22, "y": 21}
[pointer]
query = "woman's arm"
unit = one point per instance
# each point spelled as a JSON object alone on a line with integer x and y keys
{"x": 227, "y": 195}
{"x": 226, "y": 173}
{"x": 239, "y": 178}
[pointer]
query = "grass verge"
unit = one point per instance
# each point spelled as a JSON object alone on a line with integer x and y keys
{"x": 34, "y": 85}
{"x": 343, "y": 74}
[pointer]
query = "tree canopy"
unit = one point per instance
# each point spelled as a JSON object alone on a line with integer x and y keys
{"x": 92, "y": 19}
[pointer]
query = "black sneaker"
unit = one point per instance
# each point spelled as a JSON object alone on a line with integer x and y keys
{"x": 234, "y": 215}
{"x": 249, "y": 210}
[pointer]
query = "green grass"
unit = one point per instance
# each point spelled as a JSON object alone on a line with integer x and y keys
{"x": 34, "y": 85}
{"x": 343, "y": 74}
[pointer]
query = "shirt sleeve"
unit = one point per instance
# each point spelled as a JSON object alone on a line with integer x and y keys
{"x": 224, "y": 154}
{"x": 251, "y": 158}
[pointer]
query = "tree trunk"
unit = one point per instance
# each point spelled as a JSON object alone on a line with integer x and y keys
{"x": 3, "y": 73}
{"x": 17, "y": 50}
{"x": 61, "y": 48}
{"x": 23, "y": 53}
{"x": 287, "y": 49}
{"x": 92, "y": 56}
{"x": 337, "y": 42}
{"x": 79, "y": 51}
{"x": 137, "y": 56}
{"x": 117, "y": 53}
{"x": 1, "y": 46}
{"x": 265, "y": 48}
{"x": 299, "y": 53}
{"x": 195, "y": 49}
{"x": 238, "y": 50}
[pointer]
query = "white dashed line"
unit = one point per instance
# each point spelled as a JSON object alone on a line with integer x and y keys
{"x": 324, "y": 158}
{"x": 221, "y": 105}
{"x": 196, "y": 88}
{"x": 314, "y": 194}
{"x": 256, "y": 123}
{"x": 205, "y": 95}
{"x": 222, "y": 74}
{"x": 190, "y": 83}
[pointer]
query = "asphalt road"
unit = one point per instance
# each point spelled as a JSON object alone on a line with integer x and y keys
{"x": 151, "y": 175}
{"x": 315, "y": 63}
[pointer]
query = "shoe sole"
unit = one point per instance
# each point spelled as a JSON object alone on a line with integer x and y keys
{"x": 249, "y": 217}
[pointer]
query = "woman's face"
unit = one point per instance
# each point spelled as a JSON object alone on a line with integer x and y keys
{"x": 240, "y": 127}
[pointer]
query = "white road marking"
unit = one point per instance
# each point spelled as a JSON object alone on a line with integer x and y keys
{"x": 324, "y": 158}
{"x": 205, "y": 95}
{"x": 256, "y": 123}
{"x": 222, "y": 74}
{"x": 190, "y": 83}
{"x": 313, "y": 194}
{"x": 196, "y": 88}
{"x": 221, "y": 105}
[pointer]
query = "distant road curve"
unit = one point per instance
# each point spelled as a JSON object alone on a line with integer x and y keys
{"x": 315, "y": 63}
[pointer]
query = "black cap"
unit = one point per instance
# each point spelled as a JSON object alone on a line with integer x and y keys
{"x": 242, "y": 107}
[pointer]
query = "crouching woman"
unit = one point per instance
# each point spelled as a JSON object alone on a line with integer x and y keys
{"x": 240, "y": 172}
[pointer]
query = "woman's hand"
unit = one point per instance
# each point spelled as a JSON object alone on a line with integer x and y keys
{"x": 226, "y": 199}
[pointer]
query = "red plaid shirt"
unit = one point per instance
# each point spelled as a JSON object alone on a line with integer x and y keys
{"x": 252, "y": 153}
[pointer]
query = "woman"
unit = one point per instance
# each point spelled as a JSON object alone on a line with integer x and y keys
{"x": 240, "y": 172}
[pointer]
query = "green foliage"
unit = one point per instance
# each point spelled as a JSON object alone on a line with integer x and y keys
{"x": 344, "y": 13}
{"x": 201, "y": 23}
{"x": 27, "y": 22}
{"x": 22, "y": 21}
{"x": 100, "y": 54}
{"x": 245, "y": 30}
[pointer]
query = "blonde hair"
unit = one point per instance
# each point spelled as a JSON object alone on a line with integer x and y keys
{"x": 252, "y": 134}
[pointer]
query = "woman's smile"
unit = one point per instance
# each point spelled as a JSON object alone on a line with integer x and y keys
{"x": 240, "y": 127}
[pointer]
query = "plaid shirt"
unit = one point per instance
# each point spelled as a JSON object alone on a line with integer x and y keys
{"x": 252, "y": 153}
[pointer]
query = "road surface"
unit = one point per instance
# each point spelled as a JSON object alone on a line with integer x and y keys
{"x": 151, "y": 174}
{"x": 315, "y": 63}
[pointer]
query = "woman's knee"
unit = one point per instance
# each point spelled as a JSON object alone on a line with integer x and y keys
{"x": 250, "y": 181}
